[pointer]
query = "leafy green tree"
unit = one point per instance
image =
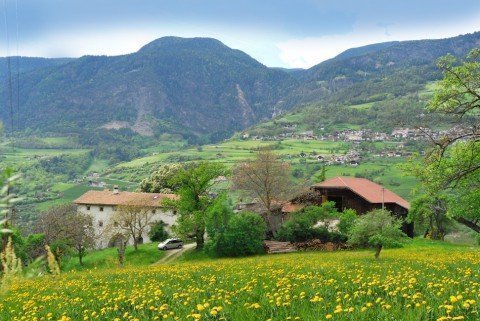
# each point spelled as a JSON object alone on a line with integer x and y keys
{"x": 218, "y": 216}
{"x": 376, "y": 229}
{"x": 160, "y": 181}
{"x": 194, "y": 183}
{"x": 431, "y": 211}
{"x": 321, "y": 175}
{"x": 450, "y": 171}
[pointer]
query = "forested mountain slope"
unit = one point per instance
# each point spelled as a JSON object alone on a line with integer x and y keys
{"x": 205, "y": 91}
{"x": 24, "y": 64}
{"x": 189, "y": 86}
{"x": 376, "y": 87}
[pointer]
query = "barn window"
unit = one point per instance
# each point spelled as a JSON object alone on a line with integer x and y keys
{"x": 100, "y": 223}
{"x": 154, "y": 211}
{"x": 88, "y": 207}
{"x": 101, "y": 208}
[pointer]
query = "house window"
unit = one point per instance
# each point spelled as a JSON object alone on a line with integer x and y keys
{"x": 88, "y": 207}
{"x": 154, "y": 211}
{"x": 100, "y": 223}
{"x": 101, "y": 208}
{"x": 174, "y": 212}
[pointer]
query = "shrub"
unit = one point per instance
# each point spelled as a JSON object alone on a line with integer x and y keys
{"x": 157, "y": 232}
{"x": 347, "y": 219}
{"x": 301, "y": 227}
{"x": 18, "y": 243}
{"x": 244, "y": 235}
{"x": 336, "y": 237}
{"x": 61, "y": 248}
{"x": 34, "y": 246}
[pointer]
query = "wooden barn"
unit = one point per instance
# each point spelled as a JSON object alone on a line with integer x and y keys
{"x": 359, "y": 194}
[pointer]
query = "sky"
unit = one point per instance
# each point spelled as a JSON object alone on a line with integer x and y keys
{"x": 278, "y": 33}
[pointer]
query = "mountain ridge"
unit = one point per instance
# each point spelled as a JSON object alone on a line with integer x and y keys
{"x": 200, "y": 88}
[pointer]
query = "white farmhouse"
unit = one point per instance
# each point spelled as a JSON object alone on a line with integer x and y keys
{"x": 102, "y": 204}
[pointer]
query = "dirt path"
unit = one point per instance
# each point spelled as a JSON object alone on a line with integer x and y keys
{"x": 173, "y": 254}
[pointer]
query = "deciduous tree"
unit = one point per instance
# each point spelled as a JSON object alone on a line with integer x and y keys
{"x": 132, "y": 220}
{"x": 81, "y": 234}
{"x": 161, "y": 181}
{"x": 376, "y": 229}
{"x": 65, "y": 230}
{"x": 194, "y": 183}
{"x": 452, "y": 166}
{"x": 266, "y": 178}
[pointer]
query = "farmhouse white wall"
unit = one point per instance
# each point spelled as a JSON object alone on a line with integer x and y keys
{"x": 104, "y": 231}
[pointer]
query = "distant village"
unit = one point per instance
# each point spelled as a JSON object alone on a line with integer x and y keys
{"x": 353, "y": 156}
{"x": 361, "y": 135}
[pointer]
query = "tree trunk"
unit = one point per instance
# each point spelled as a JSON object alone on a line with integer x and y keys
{"x": 377, "y": 251}
{"x": 80, "y": 258}
{"x": 135, "y": 243}
{"x": 200, "y": 239}
{"x": 426, "y": 233}
{"x": 468, "y": 223}
{"x": 121, "y": 253}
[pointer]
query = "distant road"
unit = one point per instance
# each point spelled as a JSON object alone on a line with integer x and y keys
{"x": 173, "y": 254}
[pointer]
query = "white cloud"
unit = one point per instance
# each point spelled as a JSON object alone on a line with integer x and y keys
{"x": 98, "y": 42}
{"x": 268, "y": 47}
{"x": 306, "y": 52}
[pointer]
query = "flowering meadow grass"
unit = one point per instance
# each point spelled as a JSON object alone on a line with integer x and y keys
{"x": 423, "y": 281}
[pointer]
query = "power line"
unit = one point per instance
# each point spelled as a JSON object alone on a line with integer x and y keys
{"x": 18, "y": 68}
{"x": 9, "y": 68}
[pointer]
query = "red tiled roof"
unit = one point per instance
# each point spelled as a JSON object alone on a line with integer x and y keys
{"x": 107, "y": 197}
{"x": 290, "y": 208}
{"x": 365, "y": 188}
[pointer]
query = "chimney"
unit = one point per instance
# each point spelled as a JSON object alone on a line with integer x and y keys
{"x": 116, "y": 190}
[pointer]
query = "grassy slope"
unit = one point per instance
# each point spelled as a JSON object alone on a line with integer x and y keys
{"x": 107, "y": 259}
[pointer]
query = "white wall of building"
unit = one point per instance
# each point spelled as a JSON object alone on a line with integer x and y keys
{"x": 102, "y": 223}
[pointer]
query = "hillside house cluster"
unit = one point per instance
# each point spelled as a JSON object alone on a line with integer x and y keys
{"x": 351, "y": 158}
{"x": 101, "y": 205}
{"x": 360, "y": 135}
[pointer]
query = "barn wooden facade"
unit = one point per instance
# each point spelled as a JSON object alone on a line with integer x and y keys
{"x": 359, "y": 194}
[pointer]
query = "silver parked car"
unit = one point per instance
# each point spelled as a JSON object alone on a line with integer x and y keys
{"x": 169, "y": 244}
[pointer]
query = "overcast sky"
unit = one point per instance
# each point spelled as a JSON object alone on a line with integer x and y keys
{"x": 294, "y": 33}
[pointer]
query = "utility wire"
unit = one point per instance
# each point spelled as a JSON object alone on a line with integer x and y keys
{"x": 18, "y": 68}
{"x": 9, "y": 70}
